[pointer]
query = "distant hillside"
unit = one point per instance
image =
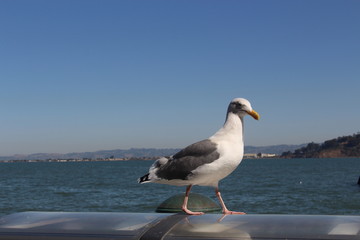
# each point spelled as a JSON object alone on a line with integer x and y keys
{"x": 138, "y": 153}
{"x": 347, "y": 146}
{"x": 275, "y": 149}
{"x": 117, "y": 153}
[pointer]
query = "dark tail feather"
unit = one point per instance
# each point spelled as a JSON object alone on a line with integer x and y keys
{"x": 144, "y": 179}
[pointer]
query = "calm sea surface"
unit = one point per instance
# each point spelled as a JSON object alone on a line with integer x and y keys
{"x": 279, "y": 186}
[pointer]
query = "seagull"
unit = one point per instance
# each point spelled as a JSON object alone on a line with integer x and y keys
{"x": 206, "y": 162}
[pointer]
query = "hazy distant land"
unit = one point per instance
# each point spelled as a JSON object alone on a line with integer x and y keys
{"x": 145, "y": 153}
{"x": 346, "y": 146}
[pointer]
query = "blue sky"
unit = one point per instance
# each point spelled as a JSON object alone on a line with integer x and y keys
{"x": 89, "y": 75}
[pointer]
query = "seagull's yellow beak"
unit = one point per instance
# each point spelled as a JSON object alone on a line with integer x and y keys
{"x": 254, "y": 114}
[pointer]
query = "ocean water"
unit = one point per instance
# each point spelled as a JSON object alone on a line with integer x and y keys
{"x": 259, "y": 186}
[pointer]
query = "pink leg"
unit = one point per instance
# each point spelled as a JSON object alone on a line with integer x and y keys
{"x": 184, "y": 206}
{"x": 224, "y": 209}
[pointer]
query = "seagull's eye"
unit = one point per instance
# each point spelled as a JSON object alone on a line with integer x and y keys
{"x": 239, "y": 105}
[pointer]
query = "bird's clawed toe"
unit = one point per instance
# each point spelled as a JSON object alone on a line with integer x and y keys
{"x": 228, "y": 212}
{"x": 187, "y": 211}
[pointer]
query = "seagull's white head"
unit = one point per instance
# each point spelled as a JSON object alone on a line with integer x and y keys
{"x": 242, "y": 107}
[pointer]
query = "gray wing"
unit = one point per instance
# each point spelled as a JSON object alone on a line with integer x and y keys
{"x": 181, "y": 165}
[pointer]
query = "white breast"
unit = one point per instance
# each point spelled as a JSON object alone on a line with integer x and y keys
{"x": 230, "y": 145}
{"x": 231, "y": 153}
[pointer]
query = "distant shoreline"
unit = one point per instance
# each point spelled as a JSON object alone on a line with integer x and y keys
{"x": 341, "y": 147}
{"x": 81, "y": 160}
{"x": 140, "y": 153}
{"x": 247, "y": 156}
{"x": 143, "y": 159}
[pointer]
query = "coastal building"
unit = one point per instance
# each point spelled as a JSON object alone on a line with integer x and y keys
{"x": 259, "y": 155}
